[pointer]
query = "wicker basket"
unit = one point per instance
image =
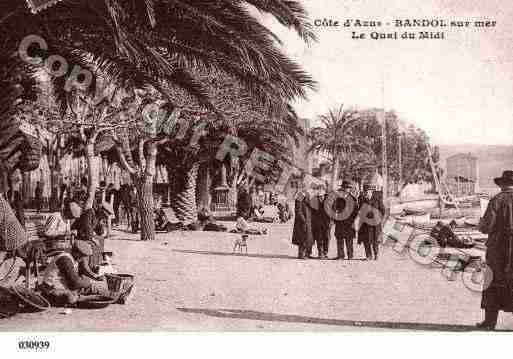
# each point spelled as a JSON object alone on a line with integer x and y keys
{"x": 120, "y": 284}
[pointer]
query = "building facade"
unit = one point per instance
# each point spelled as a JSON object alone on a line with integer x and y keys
{"x": 462, "y": 174}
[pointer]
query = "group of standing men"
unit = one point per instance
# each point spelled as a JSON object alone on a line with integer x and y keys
{"x": 353, "y": 215}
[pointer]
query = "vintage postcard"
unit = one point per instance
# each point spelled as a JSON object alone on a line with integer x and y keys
{"x": 255, "y": 165}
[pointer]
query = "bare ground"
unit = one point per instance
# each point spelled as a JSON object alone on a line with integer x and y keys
{"x": 192, "y": 281}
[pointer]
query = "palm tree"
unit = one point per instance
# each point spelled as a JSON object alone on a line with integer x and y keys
{"x": 82, "y": 33}
{"x": 18, "y": 150}
{"x": 335, "y": 137}
{"x": 241, "y": 117}
{"x": 160, "y": 39}
{"x": 158, "y": 42}
{"x": 166, "y": 37}
{"x": 182, "y": 162}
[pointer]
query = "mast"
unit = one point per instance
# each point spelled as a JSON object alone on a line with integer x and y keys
{"x": 384, "y": 162}
{"x": 385, "y": 159}
{"x": 400, "y": 158}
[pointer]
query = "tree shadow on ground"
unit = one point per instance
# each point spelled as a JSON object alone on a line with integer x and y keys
{"x": 269, "y": 256}
{"x": 273, "y": 317}
{"x": 124, "y": 230}
{"x": 236, "y": 254}
{"x": 126, "y": 239}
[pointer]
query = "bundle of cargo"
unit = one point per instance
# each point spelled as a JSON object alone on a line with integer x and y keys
{"x": 413, "y": 212}
{"x": 415, "y": 220}
{"x": 413, "y": 216}
{"x": 468, "y": 235}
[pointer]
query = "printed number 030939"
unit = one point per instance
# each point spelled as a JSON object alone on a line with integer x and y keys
{"x": 33, "y": 345}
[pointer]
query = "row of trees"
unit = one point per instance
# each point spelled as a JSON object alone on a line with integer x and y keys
{"x": 353, "y": 140}
{"x": 210, "y": 63}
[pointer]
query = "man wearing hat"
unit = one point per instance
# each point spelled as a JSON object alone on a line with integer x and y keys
{"x": 320, "y": 222}
{"x": 497, "y": 222}
{"x": 346, "y": 209}
{"x": 371, "y": 212}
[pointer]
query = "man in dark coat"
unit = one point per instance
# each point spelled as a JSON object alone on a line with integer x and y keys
{"x": 497, "y": 222}
{"x": 371, "y": 213}
{"x": 346, "y": 209}
{"x": 320, "y": 224}
{"x": 302, "y": 233}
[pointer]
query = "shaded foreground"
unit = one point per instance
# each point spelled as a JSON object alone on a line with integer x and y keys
{"x": 192, "y": 281}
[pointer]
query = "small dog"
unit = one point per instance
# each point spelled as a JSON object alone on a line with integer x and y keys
{"x": 241, "y": 242}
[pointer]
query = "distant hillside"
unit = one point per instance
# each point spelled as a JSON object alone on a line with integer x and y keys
{"x": 492, "y": 160}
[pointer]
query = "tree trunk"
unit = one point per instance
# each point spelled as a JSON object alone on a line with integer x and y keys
{"x": 233, "y": 188}
{"x": 54, "y": 204}
{"x": 26, "y": 191}
{"x": 204, "y": 183}
{"x": 334, "y": 175}
{"x": 142, "y": 178}
{"x": 232, "y": 196}
{"x": 144, "y": 186}
{"x": 92, "y": 172}
{"x": 54, "y": 166}
{"x": 224, "y": 181}
{"x": 146, "y": 205}
{"x": 183, "y": 195}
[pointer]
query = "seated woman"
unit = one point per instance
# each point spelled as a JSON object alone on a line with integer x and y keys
{"x": 165, "y": 220}
{"x": 159, "y": 215}
{"x": 62, "y": 281}
{"x": 207, "y": 220}
{"x": 90, "y": 228}
{"x": 204, "y": 215}
{"x": 160, "y": 219}
{"x": 260, "y": 215}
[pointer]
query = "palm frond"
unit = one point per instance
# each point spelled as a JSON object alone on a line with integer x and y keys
{"x": 288, "y": 13}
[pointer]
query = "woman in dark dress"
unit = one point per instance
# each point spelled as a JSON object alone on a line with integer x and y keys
{"x": 302, "y": 235}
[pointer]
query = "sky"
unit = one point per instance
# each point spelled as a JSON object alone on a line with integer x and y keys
{"x": 459, "y": 90}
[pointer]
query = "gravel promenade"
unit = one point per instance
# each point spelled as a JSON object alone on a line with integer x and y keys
{"x": 192, "y": 281}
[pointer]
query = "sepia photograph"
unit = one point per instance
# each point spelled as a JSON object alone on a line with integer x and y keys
{"x": 255, "y": 166}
